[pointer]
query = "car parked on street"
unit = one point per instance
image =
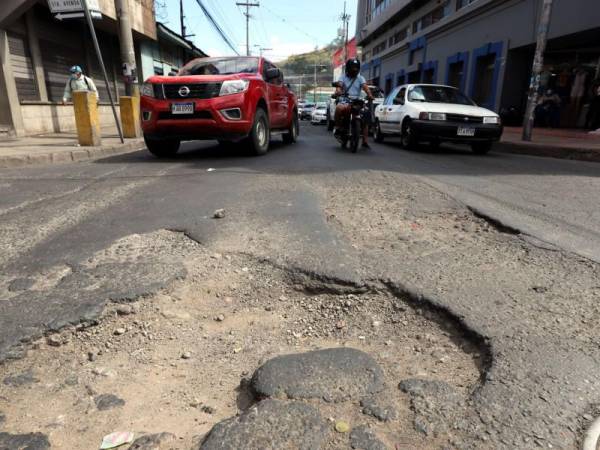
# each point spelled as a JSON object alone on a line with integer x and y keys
{"x": 319, "y": 114}
{"x": 230, "y": 99}
{"x": 436, "y": 113}
{"x": 378, "y": 98}
{"x": 306, "y": 111}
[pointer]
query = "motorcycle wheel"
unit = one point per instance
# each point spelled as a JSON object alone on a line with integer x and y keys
{"x": 355, "y": 135}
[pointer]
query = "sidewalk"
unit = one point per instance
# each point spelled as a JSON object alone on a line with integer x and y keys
{"x": 60, "y": 148}
{"x": 553, "y": 143}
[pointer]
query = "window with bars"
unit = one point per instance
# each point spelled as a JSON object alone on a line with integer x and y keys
{"x": 432, "y": 17}
{"x": 379, "y": 48}
{"x": 462, "y": 3}
{"x": 400, "y": 35}
{"x": 375, "y": 8}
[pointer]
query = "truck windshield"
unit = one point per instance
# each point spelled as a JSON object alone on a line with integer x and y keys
{"x": 438, "y": 94}
{"x": 220, "y": 66}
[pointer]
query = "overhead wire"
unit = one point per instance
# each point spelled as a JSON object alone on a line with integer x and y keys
{"x": 283, "y": 19}
{"x": 216, "y": 7}
{"x": 217, "y": 27}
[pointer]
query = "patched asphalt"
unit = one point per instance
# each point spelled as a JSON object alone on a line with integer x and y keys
{"x": 333, "y": 375}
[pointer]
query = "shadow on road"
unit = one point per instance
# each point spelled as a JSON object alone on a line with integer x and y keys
{"x": 318, "y": 152}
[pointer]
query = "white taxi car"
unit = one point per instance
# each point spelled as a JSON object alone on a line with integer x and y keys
{"x": 319, "y": 114}
{"x": 436, "y": 113}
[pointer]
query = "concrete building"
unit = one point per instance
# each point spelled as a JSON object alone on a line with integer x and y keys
{"x": 167, "y": 54}
{"x": 37, "y": 50}
{"x": 484, "y": 47}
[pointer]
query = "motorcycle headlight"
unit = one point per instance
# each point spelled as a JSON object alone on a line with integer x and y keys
{"x": 230, "y": 87}
{"x": 147, "y": 90}
{"x": 492, "y": 120}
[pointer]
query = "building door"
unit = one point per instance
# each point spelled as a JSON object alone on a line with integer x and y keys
{"x": 484, "y": 79}
{"x": 388, "y": 85}
{"x": 428, "y": 76}
{"x": 414, "y": 77}
{"x": 455, "y": 74}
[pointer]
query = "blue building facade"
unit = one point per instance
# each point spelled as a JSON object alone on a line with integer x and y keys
{"x": 483, "y": 47}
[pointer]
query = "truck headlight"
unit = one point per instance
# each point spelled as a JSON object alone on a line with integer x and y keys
{"x": 492, "y": 120}
{"x": 230, "y": 87}
{"x": 147, "y": 90}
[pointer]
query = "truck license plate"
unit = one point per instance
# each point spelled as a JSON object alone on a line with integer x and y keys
{"x": 464, "y": 131}
{"x": 182, "y": 108}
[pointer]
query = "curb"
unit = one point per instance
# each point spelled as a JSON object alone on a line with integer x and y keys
{"x": 549, "y": 151}
{"x": 78, "y": 155}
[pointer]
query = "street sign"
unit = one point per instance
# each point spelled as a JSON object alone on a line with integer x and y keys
{"x": 69, "y": 6}
{"x": 73, "y": 9}
{"x": 78, "y": 15}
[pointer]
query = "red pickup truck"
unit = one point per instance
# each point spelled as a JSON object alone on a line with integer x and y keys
{"x": 230, "y": 99}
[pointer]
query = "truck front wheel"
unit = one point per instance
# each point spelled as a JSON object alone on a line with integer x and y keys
{"x": 260, "y": 134}
{"x": 162, "y": 148}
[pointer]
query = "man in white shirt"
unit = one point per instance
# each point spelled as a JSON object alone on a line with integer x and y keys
{"x": 348, "y": 88}
{"x": 78, "y": 82}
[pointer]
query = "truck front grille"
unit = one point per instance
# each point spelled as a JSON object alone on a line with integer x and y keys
{"x": 196, "y": 90}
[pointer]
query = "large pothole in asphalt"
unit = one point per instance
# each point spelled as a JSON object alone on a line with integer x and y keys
{"x": 182, "y": 360}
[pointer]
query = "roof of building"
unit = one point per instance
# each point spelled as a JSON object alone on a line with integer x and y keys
{"x": 166, "y": 33}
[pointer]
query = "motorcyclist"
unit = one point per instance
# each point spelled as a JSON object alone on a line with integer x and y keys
{"x": 348, "y": 88}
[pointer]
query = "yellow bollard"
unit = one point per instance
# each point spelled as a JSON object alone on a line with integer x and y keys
{"x": 86, "y": 118}
{"x": 130, "y": 116}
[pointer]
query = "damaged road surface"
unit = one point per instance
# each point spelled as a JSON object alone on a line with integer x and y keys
{"x": 374, "y": 301}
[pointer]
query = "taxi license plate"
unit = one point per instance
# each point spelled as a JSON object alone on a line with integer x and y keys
{"x": 182, "y": 108}
{"x": 464, "y": 131}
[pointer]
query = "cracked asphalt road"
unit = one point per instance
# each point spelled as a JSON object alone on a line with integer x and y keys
{"x": 391, "y": 216}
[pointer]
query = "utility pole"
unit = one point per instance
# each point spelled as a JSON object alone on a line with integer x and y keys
{"x": 315, "y": 86}
{"x": 182, "y": 18}
{"x": 538, "y": 62}
{"x": 346, "y": 19}
{"x": 248, "y": 5}
{"x": 127, "y": 51}
{"x": 315, "y": 81}
{"x": 182, "y": 22}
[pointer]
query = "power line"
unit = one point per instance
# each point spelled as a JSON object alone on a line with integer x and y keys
{"x": 217, "y": 27}
{"x": 216, "y": 7}
{"x": 283, "y": 19}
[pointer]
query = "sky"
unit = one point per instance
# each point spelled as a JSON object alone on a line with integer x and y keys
{"x": 286, "y": 27}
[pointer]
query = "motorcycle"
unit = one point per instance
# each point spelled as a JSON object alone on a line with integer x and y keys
{"x": 360, "y": 111}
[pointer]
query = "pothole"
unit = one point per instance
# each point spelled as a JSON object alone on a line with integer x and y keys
{"x": 180, "y": 361}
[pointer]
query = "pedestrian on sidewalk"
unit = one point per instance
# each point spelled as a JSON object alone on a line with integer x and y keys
{"x": 78, "y": 82}
{"x": 547, "y": 111}
{"x": 592, "y": 121}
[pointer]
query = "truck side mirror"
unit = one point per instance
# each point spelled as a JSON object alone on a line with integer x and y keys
{"x": 273, "y": 73}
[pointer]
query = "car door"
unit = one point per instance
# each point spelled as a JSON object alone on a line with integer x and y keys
{"x": 386, "y": 110}
{"x": 277, "y": 98}
{"x": 396, "y": 110}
